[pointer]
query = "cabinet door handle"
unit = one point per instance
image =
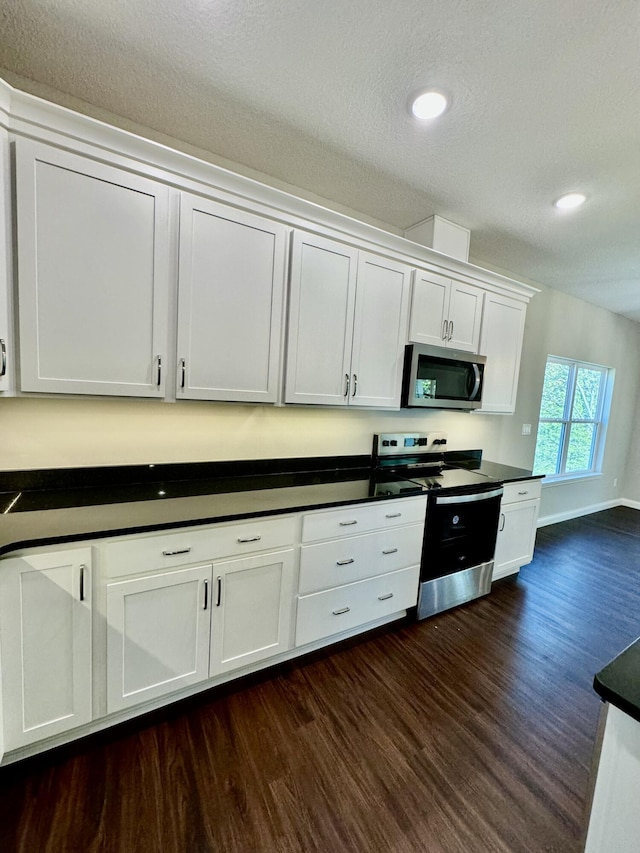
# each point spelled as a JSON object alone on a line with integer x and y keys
{"x": 393, "y": 515}
{"x": 3, "y": 364}
{"x": 502, "y": 521}
{"x": 345, "y": 562}
{"x": 341, "y": 611}
{"x": 244, "y": 539}
{"x": 355, "y": 384}
{"x": 183, "y": 372}
{"x": 219, "y": 593}
{"x": 176, "y": 552}
{"x": 346, "y": 385}
{"x": 159, "y": 373}
{"x": 523, "y": 493}
{"x": 385, "y": 597}
{"x": 347, "y": 523}
{"x": 205, "y": 604}
{"x": 82, "y": 568}
{"x": 450, "y": 330}
{"x": 390, "y": 551}
{"x": 445, "y": 327}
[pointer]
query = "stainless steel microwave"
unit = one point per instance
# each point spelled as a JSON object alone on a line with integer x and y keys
{"x": 440, "y": 378}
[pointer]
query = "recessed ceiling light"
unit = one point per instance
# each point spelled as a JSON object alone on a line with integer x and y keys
{"x": 569, "y": 201}
{"x": 428, "y": 105}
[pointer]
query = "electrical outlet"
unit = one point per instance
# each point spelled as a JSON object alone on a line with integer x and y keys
{"x": 526, "y": 429}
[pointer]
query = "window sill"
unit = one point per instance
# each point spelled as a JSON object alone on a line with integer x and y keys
{"x": 570, "y": 478}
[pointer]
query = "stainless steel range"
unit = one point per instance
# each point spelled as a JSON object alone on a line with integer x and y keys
{"x": 463, "y": 510}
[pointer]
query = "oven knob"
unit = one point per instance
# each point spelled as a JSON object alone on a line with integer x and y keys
{"x": 422, "y": 442}
{"x": 393, "y": 442}
{"x": 385, "y": 443}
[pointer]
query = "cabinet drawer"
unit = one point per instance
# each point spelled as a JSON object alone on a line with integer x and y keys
{"x": 362, "y": 518}
{"x": 346, "y": 607}
{"x": 353, "y": 558}
{"x": 524, "y": 490}
{"x": 167, "y": 550}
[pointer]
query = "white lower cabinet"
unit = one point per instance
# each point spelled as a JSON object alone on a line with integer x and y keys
{"x": 348, "y": 581}
{"x": 45, "y": 635}
{"x": 252, "y": 609}
{"x": 517, "y": 528}
{"x": 157, "y": 635}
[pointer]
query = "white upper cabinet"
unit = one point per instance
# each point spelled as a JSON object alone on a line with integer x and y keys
{"x": 231, "y": 289}
{"x": 93, "y": 275}
{"x": 6, "y": 351}
{"x": 347, "y": 321}
{"x": 501, "y": 342}
{"x": 445, "y": 313}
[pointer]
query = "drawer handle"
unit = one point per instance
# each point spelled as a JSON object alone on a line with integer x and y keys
{"x": 393, "y": 515}
{"x": 523, "y": 493}
{"x": 347, "y": 523}
{"x": 345, "y": 562}
{"x": 385, "y": 597}
{"x": 174, "y": 553}
{"x": 341, "y": 611}
{"x": 244, "y": 539}
{"x": 390, "y": 551}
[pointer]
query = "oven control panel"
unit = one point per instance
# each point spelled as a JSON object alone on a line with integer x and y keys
{"x": 397, "y": 444}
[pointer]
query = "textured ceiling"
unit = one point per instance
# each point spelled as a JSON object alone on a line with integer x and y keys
{"x": 545, "y": 99}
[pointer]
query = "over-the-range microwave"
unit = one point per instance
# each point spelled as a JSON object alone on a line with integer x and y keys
{"x": 440, "y": 378}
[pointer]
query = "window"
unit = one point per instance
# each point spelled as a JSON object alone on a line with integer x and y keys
{"x": 573, "y": 409}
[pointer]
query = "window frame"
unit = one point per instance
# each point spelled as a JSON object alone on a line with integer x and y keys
{"x": 566, "y": 422}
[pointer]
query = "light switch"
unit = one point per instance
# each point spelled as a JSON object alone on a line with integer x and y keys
{"x": 526, "y": 429}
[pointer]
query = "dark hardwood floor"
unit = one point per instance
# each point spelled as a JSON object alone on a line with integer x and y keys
{"x": 471, "y": 732}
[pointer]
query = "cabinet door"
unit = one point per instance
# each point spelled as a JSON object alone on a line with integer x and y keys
{"x": 231, "y": 286}
{"x": 45, "y": 614}
{"x": 429, "y": 309}
{"x": 379, "y": 333}
{"x": 321, "y": 309}
{"x": 6, "y": 351}
{"x": 93, "y": 275}
{"x": 252, "y": 610}
{"x": 465, "y": 313}
{"x": 516, "y": 537}
{"x": 501, "y": 342}
{"x": 157, "y": 635}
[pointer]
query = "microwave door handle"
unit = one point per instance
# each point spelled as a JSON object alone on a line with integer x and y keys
{"x": 476, "y": 386}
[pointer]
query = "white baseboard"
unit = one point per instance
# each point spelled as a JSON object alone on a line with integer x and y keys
{"x": 630, "y": 503}
{"x": 585, "y": 510}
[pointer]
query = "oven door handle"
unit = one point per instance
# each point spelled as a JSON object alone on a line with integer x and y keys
{"x": 469, "y": 498}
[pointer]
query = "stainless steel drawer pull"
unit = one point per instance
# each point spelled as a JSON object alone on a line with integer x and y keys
{"x": 385, "y": 597}
{"x": 347, "y": 523}
{"x": 175, "y": 553}
{"x": 393, "y": 515}
{"x": 523, "y": 493}
{"x": 244, "y": 539}
{"x": 390, "y": 551}
{"x": 345, "y": 562}
{"x": 3, "y": 365}
{"x": 341, "y": 611}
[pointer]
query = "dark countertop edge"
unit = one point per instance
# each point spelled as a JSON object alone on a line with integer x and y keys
{"x": 10, "y": 547}
{"x": 619, "y": 681}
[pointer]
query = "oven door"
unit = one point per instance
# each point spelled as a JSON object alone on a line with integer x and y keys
{"x": 460, "y": 532}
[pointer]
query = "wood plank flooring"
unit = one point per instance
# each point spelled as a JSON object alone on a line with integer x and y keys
{"x": 471, "y": 732}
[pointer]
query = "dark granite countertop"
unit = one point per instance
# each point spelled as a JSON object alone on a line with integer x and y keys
{"x": 43, "y": 507}
{"x": 619, "y": 681}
